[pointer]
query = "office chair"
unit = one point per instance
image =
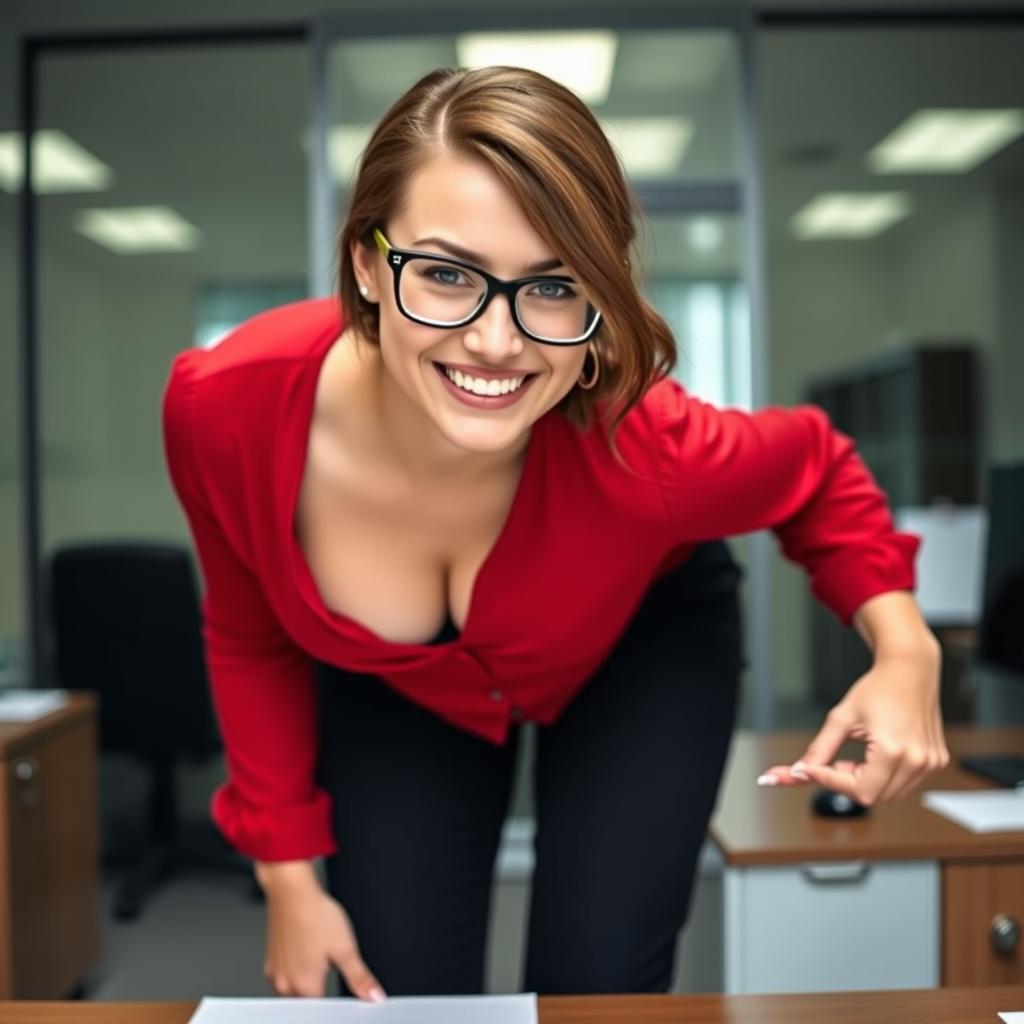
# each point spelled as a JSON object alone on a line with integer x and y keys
{"x": 126, "y": 625}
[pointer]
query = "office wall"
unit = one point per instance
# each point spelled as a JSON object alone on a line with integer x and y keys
{"x": 832, "y": 305}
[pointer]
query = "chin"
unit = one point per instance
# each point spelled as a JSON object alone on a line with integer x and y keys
{"x": 482, "y": 438}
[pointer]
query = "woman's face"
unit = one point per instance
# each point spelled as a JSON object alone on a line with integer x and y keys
{"x": 457, "y": 206}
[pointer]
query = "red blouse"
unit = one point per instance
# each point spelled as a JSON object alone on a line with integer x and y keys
{"x": 583, "y": 540}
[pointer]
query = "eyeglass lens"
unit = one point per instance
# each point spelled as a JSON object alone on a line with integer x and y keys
{"x": 447, "y": 295}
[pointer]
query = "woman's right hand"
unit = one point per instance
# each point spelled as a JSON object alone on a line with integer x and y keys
{"x": 307, "y": 931}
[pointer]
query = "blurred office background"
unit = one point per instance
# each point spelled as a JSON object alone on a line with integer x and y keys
{"x": 835, "y": 213}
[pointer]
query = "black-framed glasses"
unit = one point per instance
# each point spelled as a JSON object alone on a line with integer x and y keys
{"x": 441, "y": 291}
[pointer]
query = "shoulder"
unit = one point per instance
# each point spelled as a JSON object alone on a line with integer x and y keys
{"x": 285, "y": 333}
{"x": 216, "y": 397}
{"x": 257, "y": 351}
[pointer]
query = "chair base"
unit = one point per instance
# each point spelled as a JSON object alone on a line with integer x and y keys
{"x": 164, "y": 861}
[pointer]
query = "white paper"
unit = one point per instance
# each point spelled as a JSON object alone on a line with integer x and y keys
{"x": 949, "y": 566}
{"x": 27, "y": 705}
{"x": 985, "y": 810}
{"x": 517, "y": 1009}
{"x": 1012, "y": 1017}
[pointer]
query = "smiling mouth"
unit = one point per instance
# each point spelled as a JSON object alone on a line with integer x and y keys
{"x": 484, "y": 387}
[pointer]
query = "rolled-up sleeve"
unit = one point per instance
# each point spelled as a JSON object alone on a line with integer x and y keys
{"x": 262, "y": 684}
{"x": 727, "y": 472}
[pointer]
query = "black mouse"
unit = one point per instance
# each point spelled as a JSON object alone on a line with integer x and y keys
{"x": 827, "y": 803}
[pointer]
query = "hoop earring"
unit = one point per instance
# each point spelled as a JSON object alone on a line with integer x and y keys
{"x": 592, "y": 349}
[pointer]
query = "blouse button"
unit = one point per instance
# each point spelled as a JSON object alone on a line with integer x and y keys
{"x": 497, "y": 695}
{"x": 517, "y": 714}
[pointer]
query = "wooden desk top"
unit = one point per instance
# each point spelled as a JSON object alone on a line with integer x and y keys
{"x": 926, "y": 1006}
{"x": 17, "y": 737}
{"x": 765, "y": 825}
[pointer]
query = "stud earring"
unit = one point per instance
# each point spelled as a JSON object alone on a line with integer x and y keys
{"x": 363, "y": 290}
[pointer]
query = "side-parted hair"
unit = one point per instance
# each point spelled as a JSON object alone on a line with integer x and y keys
{"x": 547, "y": 148}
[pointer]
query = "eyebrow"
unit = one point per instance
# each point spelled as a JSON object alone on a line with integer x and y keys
{"x": 471, "y": 257}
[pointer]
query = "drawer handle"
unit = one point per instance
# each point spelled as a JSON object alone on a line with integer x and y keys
{"x": 849, "y": 871}
{"x": 1004, "y": 933}
{"x": 26, "y": 771}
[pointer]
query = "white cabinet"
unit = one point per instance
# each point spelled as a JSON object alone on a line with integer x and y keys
{"x": 832, "y": 926}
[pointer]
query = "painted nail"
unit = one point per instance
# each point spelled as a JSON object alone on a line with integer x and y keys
{"x": 767, "y": 780}
{"x": 376, "y": 995}
{"x": 799, "y": 771}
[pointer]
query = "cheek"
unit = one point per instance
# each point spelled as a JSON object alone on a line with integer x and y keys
{"x": 569, "y": 365}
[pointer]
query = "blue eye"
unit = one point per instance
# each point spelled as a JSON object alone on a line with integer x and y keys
{"x": 553, "y": 290}
{"x": 445, "y": 275}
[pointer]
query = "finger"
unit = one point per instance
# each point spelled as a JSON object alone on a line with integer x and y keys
{"x": 358, "y": 977}
{"x": 916, "y": 767}
{"x": 880, "y": 765}
{"x": 830, "y": 738}
{"x": 780, "y": 775}
{"x": 310, "y": 988}
{"x": 831, "y": 778}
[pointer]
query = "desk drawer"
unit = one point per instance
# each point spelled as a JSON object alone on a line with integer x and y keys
{"x": 832, "y": 926}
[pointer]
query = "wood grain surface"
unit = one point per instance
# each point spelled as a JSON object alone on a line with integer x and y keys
{"x": 774, "y": 825}
{"x": 931, "y": 1006}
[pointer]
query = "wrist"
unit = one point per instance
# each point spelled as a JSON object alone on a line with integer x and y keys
{"x": 921, "y": 645}
{"x": 285, "y": 876}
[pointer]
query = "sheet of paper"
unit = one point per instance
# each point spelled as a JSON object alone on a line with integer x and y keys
{"x": 518, "y": 1009}
{"x": 25, "y": 705}
{"x": 1013, "y": 1017}
{"x": 986, "y": 810}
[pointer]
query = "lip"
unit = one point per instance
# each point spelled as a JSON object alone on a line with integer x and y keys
{"x": 482, "y": 374}
{"x": 482, "y": 401}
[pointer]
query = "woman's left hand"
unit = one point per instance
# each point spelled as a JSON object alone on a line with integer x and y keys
{"x": 894, "y": 709}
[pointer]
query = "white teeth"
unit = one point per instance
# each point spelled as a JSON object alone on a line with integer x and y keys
{"x": 483, "y": 387}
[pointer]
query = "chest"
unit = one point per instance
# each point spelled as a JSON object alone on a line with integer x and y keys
{"x": 397, "y": 559}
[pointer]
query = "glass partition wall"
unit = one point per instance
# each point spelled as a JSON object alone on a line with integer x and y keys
{"x": 894, "y": 227}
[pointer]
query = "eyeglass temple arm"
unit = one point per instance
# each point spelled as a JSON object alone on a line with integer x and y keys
{"x": 382, "y": 243}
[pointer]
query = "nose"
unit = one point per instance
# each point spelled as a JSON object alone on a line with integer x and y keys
{"x": 493, "y": 335}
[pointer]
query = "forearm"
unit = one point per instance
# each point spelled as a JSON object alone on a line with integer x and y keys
{"x": 892, "y": 624}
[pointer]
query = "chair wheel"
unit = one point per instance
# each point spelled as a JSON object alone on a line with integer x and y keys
{"x": 126, "y": 907}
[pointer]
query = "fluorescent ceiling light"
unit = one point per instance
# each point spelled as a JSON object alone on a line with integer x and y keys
{"x": 649, "y": 147}
{"x": 850, "y": 214}
{"x": 581, "y": 61}
{"x": 59, "y": 164}
{"x": 945, "y": 141}
{"x": 704, "y": 234}
{"x": 138, "y": 229}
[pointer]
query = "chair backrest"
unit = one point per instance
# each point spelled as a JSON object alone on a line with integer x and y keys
{"x": 127, "y": 624}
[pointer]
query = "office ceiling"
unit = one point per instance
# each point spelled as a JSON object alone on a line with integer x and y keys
{"x": 216, "y": 132}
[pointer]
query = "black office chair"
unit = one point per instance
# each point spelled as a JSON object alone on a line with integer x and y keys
{"x": 126, "y": 624}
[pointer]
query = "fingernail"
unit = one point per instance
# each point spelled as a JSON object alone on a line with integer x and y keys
{"x": 799, "y": 770}
{"x": 767, "y": 780}
{"x": 376, "y": 995}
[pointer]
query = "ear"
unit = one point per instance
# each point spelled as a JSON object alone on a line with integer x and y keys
{"x": 366, "y": 265}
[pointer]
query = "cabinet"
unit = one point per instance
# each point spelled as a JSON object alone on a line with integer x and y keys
{"x": 898, "y": 898}
{"x": 49, "y": 852}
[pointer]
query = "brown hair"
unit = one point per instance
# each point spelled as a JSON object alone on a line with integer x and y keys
{"x": 548, "y": 149}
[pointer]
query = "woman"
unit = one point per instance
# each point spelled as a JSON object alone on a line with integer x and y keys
{"x": 466, "y": 497}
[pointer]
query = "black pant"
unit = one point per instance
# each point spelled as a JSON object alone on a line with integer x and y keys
{"x": 625, "y": 782}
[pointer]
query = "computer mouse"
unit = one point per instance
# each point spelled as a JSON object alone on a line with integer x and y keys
{"x": 827, "y": 803}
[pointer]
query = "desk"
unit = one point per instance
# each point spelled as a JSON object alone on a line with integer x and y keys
{"x": 49, "y": 852}
{"x": 900, "y": 898}
{"x": 948, "y": 1006}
